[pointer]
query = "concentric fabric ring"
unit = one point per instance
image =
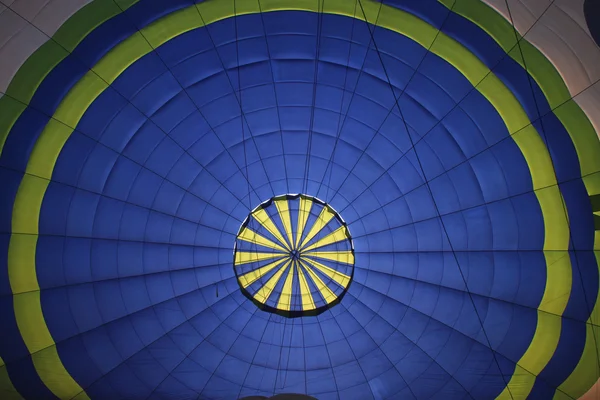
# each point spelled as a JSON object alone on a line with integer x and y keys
{"x": 294, "y": 256}
{"x": 143, "y": 148}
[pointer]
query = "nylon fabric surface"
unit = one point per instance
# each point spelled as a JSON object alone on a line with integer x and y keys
{"x": 345, "y": 199}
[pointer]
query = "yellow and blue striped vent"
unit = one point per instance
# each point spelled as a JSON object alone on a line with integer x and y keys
{"x": 294, "y": 256}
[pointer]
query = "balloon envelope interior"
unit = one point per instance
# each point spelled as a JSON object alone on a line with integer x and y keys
{"x": 344, "y": 199}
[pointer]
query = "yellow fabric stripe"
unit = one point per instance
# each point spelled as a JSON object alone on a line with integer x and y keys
{"x": 303, "y": 213}
{"x": 586, "y": 373}
{"x": 540, "y": 165}
{"x": 307, "y": 300}
{"x": 345, "y": 257}
{"x": 135, "y": 46}
{"x": 28, "y": 315}
{"x": 21, "y": 258}
{"x": 396, "y": 20}
{"x": 323, "y": 219}
{"x": 285, "y": 299}
{"x": 27, "y": 207}
{"x": 26, "y": 295}
{"x": 40, "y": 344}
{"x": 336, "y": 276}
{"x": 556, "y": 236}
{"x": 244, "y": 257}
{"x": 571, "y": 115}
{"x": 284, "y": 214}
{"x": 532, "y": 362}
{"x": 556, "y": 296}
{"x": 249, "y": 235}
{"x": 336, "y": 236}
{"x": 263, "y": 218}
{"x": 48, "y": 147}
{"x": 187, "y": 19}
{"x": 252, "y": 276}
{"x": 7, "y": 389}
{"x": 265, "y": 291}
{"x": 59, "y": 379}
{"x": 325, "y": 291}
{"x": 37, "y": 67}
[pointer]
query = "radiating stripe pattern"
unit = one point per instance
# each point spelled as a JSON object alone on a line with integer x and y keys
{"x": 294, "y": 256}
{"x": 136, "y": 141}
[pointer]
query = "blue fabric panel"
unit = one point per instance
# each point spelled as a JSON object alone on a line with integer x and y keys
{"x": 25, "y": 379}
{"x": 512, "y": 74}
{"x": 106, "y": 108}
{"x": 69, "y": 170}
{"x": 22, "y": 138}
{"x": 137, "y": 226}
{"x": 57, "y": 84}
{"x": 567, "y": 354}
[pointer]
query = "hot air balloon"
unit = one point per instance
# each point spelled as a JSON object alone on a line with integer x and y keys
{"x": 330, "y": 199}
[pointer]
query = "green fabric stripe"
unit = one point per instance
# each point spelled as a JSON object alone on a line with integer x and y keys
{"x": 573, "y": 118}
{"x": 32, "y": 73}
{"x": 512, "y": 114}
{"x": 580, "y": 130}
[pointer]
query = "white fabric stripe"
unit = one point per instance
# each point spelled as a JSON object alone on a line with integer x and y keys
{"x": 19, "y": 39}
{"x": 562, "y": 36}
